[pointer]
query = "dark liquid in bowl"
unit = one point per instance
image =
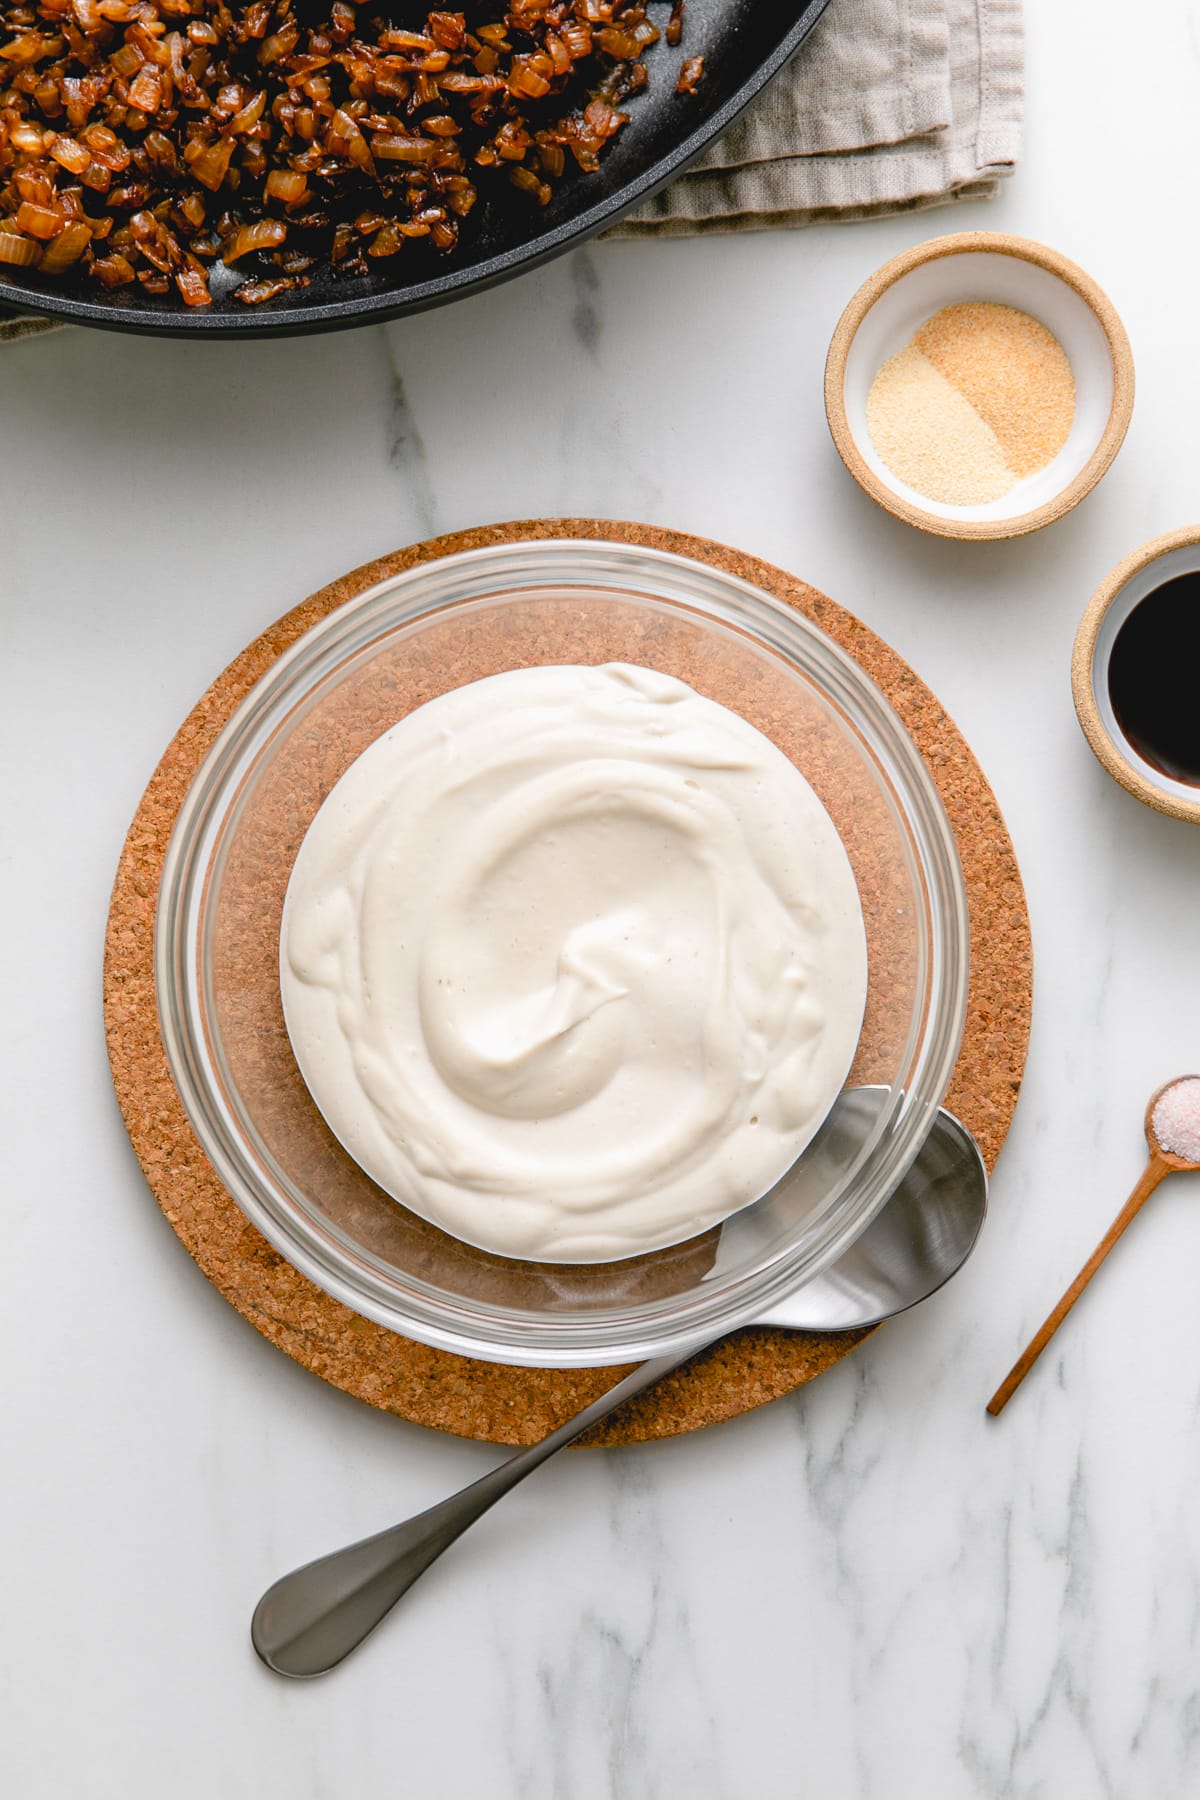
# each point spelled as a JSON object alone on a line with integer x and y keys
{"x": 1154, "y": 678}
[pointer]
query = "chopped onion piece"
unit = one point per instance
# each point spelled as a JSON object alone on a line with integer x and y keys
{"x": 211, "y": 162}
{"x": 18, "y": 251}
{"x": 287, "y": 185}
{"x": 66, "y": 248}
{"x": 39, "y": 221}
{"x": 193, "y": 287}
{"x": 689, "y": 75}
{"x": 391, "y": 146}
{"x": 266, "y": 234}
{"x": 70, "y": 155}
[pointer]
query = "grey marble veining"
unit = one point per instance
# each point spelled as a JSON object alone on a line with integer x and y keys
{"x": 406, "y": 450}
{"x": 868, "y": 1591}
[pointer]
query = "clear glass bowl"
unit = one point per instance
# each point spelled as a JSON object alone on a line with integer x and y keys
{"x": 339, "y": 687}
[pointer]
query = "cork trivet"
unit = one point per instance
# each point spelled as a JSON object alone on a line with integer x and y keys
{"x": 431, "y": 1387}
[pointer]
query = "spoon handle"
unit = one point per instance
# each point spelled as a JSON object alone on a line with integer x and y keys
{"x": 309, "y": 1620}
{"x": 1154, "y": 1171}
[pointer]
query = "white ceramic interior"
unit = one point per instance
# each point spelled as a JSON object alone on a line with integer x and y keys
{"x": 986, "y": 275}
{"x": 1185, "y": 560}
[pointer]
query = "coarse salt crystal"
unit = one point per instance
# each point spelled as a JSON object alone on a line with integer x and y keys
{"x": 1176, "y": 1119}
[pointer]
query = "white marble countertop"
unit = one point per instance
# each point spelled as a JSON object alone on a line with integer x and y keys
{"x": 869, "y": 1589}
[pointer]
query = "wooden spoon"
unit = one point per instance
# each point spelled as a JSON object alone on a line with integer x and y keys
{"x": 1162, "y": 1162}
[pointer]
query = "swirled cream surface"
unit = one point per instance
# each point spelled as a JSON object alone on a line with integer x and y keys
{"x": 573, "y": 962}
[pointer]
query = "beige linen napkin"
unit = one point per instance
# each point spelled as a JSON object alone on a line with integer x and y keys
{"x": 891, "y": 105}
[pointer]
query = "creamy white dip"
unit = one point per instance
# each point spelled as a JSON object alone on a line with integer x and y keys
{"x": 573, "y": 962}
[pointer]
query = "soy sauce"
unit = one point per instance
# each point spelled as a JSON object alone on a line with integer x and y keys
{"x": 1154, "y": 678}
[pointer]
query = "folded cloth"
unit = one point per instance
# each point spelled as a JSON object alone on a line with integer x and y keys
{"x": 19, "y": 325}
{"x": 890, "y": 106}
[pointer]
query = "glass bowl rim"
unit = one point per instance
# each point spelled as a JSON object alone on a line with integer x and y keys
{"x": 470, "y": 1328}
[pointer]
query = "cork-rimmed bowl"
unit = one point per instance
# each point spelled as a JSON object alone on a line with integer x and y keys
{"x": 974, "y": 266}
{"x": 1147, "y": 568}
{"x": 419, "y": 633}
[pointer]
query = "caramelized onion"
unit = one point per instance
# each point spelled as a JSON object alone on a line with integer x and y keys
{"x": 141, "y": 140}
{"x": 38, "y": 221}
{"x": 66, "y": 248}
{"x": 264, "y": 234}
{"x": 394, "y": 147}
{"x": 689, "y": 75}
{"x": 253, "y": 293}
{"x": 193, "y": 287}
{"x": 287, "y": 185}
{"x": 18, "y": 250}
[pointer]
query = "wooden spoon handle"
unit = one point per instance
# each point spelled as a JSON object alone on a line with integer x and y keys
{"x": 1154, "y": 1172}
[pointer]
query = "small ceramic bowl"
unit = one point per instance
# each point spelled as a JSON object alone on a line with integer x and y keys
{"x": 1161, "y": 560}
{"x": 1013, "y": 271}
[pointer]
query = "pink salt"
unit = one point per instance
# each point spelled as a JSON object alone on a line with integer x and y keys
{"x": 1176, "y": 1119}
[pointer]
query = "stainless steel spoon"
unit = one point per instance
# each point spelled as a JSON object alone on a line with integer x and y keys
{"x": 309, "y": 1620}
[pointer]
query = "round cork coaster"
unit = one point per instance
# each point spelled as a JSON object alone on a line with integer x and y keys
{"x": 431, "y": 1387}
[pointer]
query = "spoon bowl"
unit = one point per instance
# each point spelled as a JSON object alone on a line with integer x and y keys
{"x": 1159, "y": 1123}
{"x": 922, "y": 1237}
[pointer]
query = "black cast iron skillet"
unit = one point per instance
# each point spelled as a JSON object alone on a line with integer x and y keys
{"x": 743, "y": 42}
